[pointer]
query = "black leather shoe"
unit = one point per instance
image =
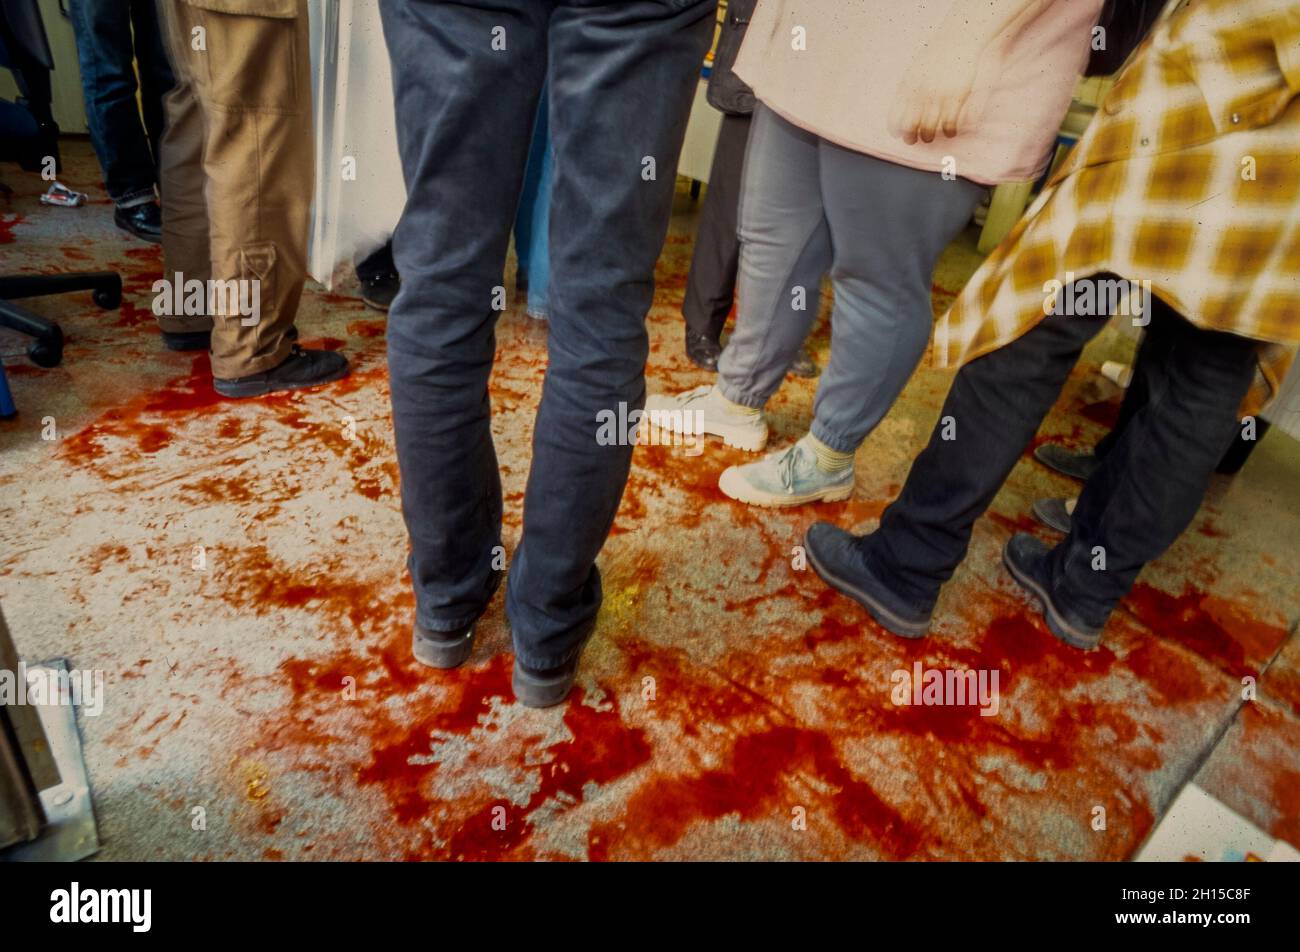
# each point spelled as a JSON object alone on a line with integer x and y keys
{"x": 378, "y": 276}
{"x": 1053, "y": 513}
{"x": 550, "y": 686}
{"x": 1057, "y": 457}
{"x": 1026, "y": 559}
{"x": 187, "y": 340}
{"x": 143, "y": 221}
{"x": 804, "y": 366}
{"x": 543, "y": 688}
{"x": 448, "y": 649}
{"x": 834, "y": 555}
{"x": 442, "y": 649}
{"x": 703, "y": 351}
{"x": 45, "y": 144}
{"x": 301, "y": 369}
{"x": 378, "y": 291}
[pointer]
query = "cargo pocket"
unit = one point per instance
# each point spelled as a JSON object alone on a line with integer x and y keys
{"x": 257, "y": 264}
{"x": 249, "y": 55}
{"x": 280, "y": 9}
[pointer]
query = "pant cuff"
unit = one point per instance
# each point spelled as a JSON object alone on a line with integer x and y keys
{"x": 838, "y": 443}
{"x": 132, "y": 199}
{"x": 545, "y": 662}
{"x": 184, "y": 325}
{"x": 914, "y": 597}
{"x": 429, "y": 623}
{"x": 1072, "y": 597}
{"x": 751, "y": 401}
{"x": 229, "y": 369}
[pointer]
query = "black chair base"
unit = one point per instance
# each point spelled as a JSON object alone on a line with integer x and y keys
{"x": 47, "y": 348}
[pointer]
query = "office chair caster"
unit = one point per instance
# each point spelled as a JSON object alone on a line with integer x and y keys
{"x": 47, "y": 351}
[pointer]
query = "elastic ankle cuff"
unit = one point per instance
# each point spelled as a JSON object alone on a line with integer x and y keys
{"x": 741, "y": 401}
{"x": 832, "y": 442}
{"x": 829, "y": 460}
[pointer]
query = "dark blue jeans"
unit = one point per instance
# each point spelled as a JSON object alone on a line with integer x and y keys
{"x": 466, "y": 78}
{"x": 112, "y": 36}
{"x": 1144, "y": 494}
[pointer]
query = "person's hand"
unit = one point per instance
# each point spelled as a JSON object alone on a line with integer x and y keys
{"x": 932, "y": 94}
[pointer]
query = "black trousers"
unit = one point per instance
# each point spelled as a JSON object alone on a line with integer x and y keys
{"x": 711, "y": 284}
{"x": 1155, "y": 348}
{"x": 1143, "y": 495}
{"x": 620, "y": 77}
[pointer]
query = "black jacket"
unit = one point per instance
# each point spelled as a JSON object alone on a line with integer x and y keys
{"x": 24, "y": 19}
{"x": 726, "y": 90}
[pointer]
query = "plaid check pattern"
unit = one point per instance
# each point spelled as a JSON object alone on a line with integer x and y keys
{"x": 1188, "y": 178}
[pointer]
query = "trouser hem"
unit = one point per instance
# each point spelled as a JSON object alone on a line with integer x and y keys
{"x": 224, "y": 369}
{"x": 752, "y": 401}
{"x": 839, "y": 444}
{"x": 138, "y": 197}
{"x": 184, "y": 325}
{"x": 545, "y": 662}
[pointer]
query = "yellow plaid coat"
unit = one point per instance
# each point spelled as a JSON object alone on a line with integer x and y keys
{"x": 1188, "y": 177}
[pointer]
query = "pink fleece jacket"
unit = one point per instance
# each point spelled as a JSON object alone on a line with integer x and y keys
{"x": 833, "y": 67}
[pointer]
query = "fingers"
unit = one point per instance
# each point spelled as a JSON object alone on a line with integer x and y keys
{"x": 920, "y": 118}
{"x": 929, "y": 122}
{"x": 950, "y": 122}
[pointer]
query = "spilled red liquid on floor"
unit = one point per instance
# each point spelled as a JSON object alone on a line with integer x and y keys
{"x": 1104, "y": 413}
{"x": 7, "y": 226}
{"x": 755, "y": 784}
{"x": 1218, "y": 630}
{"x": 769, "y": 693}
{"x": 185, "y": 398}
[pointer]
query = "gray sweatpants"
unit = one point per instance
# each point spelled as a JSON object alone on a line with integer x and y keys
{"x": 808, "y": 207}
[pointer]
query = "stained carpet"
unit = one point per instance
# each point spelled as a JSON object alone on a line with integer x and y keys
{"x": 237, "y": 571}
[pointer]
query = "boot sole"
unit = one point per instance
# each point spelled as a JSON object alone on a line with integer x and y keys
{"x": 532, "y": 691}
{"x": 734, "y": 486}
{"x": 741, "y": 438}
{"x": 442, "y": 654}
{"x": 894, "y": 624}
{"x": 1057, "y": 625}
{"x": 1050, "y": 517}
{"x": 262, "y": 388}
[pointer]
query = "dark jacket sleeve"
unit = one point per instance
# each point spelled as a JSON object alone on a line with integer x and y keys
{"x": 24, "y": 17}
{"x": 727, "y": 91}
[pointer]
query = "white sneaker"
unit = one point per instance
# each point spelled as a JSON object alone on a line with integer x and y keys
{"x": 780, "y": 480}
{"x": 704, "y": 410}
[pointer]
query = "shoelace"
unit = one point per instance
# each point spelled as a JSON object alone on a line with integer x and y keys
{"x": 785, "y": 467}
{"x": 698, "y": 393}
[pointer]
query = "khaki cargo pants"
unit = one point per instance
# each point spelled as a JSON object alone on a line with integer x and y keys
{"x": 237, "y": 169}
